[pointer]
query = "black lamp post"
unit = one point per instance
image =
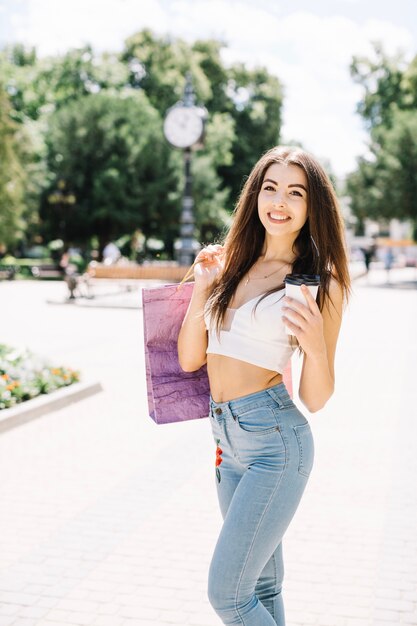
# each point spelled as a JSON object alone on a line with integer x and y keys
{"x": 184, "y": 128}
{"x": 61, "y": 198}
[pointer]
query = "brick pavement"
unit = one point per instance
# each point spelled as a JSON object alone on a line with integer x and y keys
{"x": 108, "y": 519}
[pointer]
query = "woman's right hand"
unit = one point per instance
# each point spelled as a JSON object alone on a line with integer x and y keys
{"x": 208, "y": 263}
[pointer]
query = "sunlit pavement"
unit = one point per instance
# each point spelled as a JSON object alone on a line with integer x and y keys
{"x": 108, "y": 519}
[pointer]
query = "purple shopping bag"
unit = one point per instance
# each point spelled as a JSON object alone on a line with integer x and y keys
{"x": 173, "y": 395}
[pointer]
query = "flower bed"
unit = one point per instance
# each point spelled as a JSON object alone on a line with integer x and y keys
{"x": 23, "y": 376}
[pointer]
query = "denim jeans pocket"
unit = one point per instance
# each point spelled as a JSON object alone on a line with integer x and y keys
{"x": 306, "y": 448}
{"x": 258, "y": 421}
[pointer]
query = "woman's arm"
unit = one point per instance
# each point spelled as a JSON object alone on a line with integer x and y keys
{"x": 192, "y": 338}
{"x": 317, "y": 333}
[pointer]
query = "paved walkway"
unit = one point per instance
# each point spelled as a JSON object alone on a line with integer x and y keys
{"x": 109, "y": 520}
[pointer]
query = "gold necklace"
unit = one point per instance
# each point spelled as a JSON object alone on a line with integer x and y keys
{"x": 261, "y": 277}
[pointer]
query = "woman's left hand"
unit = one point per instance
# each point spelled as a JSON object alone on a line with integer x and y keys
{"x": 305, "y": 322}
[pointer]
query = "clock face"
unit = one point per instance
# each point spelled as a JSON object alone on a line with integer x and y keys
{"x": 183, "y": 126}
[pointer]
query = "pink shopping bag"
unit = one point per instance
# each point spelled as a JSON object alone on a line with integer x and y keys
{"x": 174, "y": 395}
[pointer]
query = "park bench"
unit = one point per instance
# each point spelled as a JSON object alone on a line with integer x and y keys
{"x": 124, "y": 276}
{"x": 157, "y": 271}
{"x": 37, "y": 270}
{"x": 45, "y": 271}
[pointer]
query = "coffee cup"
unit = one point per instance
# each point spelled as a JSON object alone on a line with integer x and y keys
{"x": 293, "y": 290}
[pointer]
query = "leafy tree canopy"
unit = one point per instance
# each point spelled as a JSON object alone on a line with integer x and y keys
{"x": 385, "y": 183}
{"x": 382, "y": 81}
{"x": 108, "y": 152}
{"x": 11, "y": 176}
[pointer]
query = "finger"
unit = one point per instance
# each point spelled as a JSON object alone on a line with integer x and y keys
{"x": 295, "y": 329}
{"x": 293, "y": 305}
{"x": 310, "y": 299}
{"x": 212, "y": 249}
{"x": 214, "y": 257}
{"x": 294, "y": 317}
{"x": 206, "y": 253}
{"x": 200, "y": 259}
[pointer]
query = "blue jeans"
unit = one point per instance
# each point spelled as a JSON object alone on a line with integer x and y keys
{"x": 264, "y": 456}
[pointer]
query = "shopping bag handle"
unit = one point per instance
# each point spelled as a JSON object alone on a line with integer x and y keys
{"x": 188, "y": 274}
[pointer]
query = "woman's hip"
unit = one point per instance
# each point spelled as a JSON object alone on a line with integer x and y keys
{"x": 265, "y": 427}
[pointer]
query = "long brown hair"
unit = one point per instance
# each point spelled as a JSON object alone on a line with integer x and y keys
{"x": 319, "y": 246}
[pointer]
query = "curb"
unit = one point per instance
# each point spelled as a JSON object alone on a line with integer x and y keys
{"x": 41, "y": 405}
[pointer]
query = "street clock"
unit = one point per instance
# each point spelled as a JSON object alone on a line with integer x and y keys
{"x": 184, "y": 125}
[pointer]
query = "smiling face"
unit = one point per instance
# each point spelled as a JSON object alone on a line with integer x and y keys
{"x": 282, "y": 201}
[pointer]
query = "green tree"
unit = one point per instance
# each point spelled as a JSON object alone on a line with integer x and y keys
{"x": 409, "y": 85}
{"x": 158, "y": 65}
{"x": 211, "y": 197}
{"x": 395, "y": 168}
{"x": 108, "y": 150}
{"x": 11, "y": 176}
{"x": 40, "y": 86}
{"x": 382, "y": 81}
{"x": 257, "y": 100}
{"x": 385, "y": 184}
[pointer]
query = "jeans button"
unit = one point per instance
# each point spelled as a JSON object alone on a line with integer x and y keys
{"x": 218, "y": 411}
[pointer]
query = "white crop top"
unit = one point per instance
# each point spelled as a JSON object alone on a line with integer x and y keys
{"x": 258, "y": 338}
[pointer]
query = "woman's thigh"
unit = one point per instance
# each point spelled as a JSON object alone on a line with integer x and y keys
{"x": 258, "y": 515}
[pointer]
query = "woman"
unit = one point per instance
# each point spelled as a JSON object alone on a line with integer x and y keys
{"x": 286, "y": 221}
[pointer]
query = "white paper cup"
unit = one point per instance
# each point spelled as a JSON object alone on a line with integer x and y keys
{"x": 293, "y": 290}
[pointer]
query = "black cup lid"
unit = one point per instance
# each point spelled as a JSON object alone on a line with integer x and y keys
{"x": 300, "y": 279}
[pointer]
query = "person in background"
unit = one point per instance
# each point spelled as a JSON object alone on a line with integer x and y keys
{"x": 388, "y": 261}
{"x": 111, "y": 254}
{"x": 368, "y": 255}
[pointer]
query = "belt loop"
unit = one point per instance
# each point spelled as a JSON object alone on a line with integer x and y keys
{"x": 275, "y": 396}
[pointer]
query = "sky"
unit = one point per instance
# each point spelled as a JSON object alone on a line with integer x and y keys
{"x": 308, "y": 45}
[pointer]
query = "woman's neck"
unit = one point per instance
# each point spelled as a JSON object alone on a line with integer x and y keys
{"x": 277, "y": 249}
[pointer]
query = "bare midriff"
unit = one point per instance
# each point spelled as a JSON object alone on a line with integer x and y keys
{"x": 232, "y": 378}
